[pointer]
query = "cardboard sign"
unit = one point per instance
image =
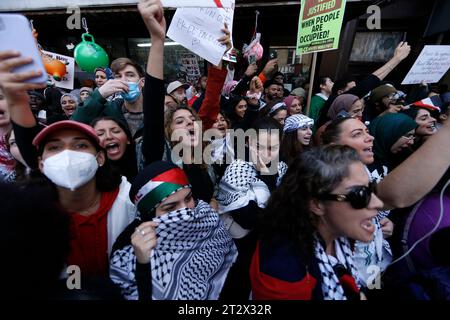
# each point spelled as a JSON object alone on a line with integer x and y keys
{"x": 431, "y": 65}
{"x": 319, "y": 25}
{"x": 198, "y": 29}
{"x": 67, "y": 80}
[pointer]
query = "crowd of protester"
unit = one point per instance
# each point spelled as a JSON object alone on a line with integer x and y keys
{"x": 345, "y": 200}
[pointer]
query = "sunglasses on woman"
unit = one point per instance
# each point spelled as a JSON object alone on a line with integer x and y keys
{"x": 359, "y": 197}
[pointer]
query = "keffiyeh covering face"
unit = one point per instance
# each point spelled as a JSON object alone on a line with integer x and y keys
{"x": 240, "y": 185}
{"x": 331, "y": 282}
{"x": 297, "y": 121}
{"x": 191, "y": 261}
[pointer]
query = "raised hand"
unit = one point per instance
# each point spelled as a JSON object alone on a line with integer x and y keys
{"x": 226, "y": 39}
{"x": 113, "y": 86}
{"x": 402, "y": 50}
{"x": 13, "y": 84}
{"x": 153, "y": 15}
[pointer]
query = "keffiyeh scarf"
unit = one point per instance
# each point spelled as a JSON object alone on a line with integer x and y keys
{"x": 191, "y": 261}
{"x": 297, "y": 121}
{"x": 7, "y": 162}
{"x": 331, "y": 284}
{"x": 240, "y": 185}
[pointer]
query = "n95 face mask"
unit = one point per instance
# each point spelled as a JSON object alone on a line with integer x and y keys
{"x": 70, "y": 169}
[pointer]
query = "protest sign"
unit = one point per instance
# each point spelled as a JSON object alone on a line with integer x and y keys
{"x": 198, "y": 29}
{"x": 14, "y": 5}
{"x": 189, "y": 64}
{"x": 197, "y": 3}
{"x": 431, "y": 65}
{"x": 67, "y": 80}
{"x": 319, "y": 25}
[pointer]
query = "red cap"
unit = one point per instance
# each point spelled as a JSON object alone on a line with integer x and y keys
{"x": 66, "y": 124}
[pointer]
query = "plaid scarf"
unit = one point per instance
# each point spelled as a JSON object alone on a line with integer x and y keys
{"x": 190, "y": 262}
{"x": 332, "y": 279}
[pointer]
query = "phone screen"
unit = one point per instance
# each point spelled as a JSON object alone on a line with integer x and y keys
{"x": 251, "y": 59}
{"x": 273, "y": 54}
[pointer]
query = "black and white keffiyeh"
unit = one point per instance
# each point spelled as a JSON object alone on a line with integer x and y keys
{"x": 297, "y": 121}
{"x": 191, "y": 261}
{"x": 240, "y": 185}
{"x": 331, "y": 286}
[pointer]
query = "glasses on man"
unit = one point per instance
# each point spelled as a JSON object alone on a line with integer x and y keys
{"x": 359, "y": 196}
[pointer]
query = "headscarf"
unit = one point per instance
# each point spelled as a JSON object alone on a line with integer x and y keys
{"x": 240, "y": 185}
{"x": 155, "y": 183}
{"x": 387, "y": 130}
{"x": 289, "y": 99}
{"x": 107, "y": 71}
{"x": 343, "y": 102}
{"x": 276, "y": 107}
{"x": 72, "y": 95}
{"x": 191, "y": 260}
{"x": 297, "y": 121}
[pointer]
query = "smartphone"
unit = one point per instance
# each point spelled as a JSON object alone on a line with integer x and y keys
{"x": 251, "y": 59}
{"x": 273, "y": 54}
{"x": 15, "y": 34}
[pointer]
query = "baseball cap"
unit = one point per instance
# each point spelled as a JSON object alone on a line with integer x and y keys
{"x": 66, "y": 124}
{"x": 175, "y": 85}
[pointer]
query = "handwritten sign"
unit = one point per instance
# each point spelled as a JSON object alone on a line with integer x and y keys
{"x": 14, "y": 5}
{"x": 198, "y": 30}
{"x": 319, "y": 25}
{"x": 189, "y": 64}
{"x": 67, "y": 80}
{"x": 197, "y": 3}
{"x": 431, "y": 65}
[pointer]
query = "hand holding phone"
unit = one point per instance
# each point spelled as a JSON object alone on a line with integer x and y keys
{"x": 251, "y": 59}
{"x": 16, "y": 34}
{"x": 273, "y": 54}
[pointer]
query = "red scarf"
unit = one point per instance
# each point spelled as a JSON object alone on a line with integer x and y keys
{"x": 89, "y": 244}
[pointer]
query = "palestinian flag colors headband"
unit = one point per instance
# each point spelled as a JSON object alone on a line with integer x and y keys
{"x": 159, "y": 188}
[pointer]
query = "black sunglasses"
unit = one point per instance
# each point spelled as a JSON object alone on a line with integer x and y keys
{"x": 359, "y": 197}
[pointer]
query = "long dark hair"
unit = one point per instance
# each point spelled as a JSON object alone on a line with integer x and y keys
{"x": 127, "y": 164}
{"x": 287, "y": 215}
{"x": 291, "y": 147}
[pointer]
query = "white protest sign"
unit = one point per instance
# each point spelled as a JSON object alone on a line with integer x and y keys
{"x": 197, "y": 3}
{"x": 15, "y": 5}
{"x": 197, "y": 29}
{"x": 431, "y": 65}
{"x": 67, "y": 80}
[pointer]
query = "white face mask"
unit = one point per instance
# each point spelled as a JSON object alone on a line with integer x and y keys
{"x": 70, "y": 169}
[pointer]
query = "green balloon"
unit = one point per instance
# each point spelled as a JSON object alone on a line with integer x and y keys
{"x": 89, "y": 55}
